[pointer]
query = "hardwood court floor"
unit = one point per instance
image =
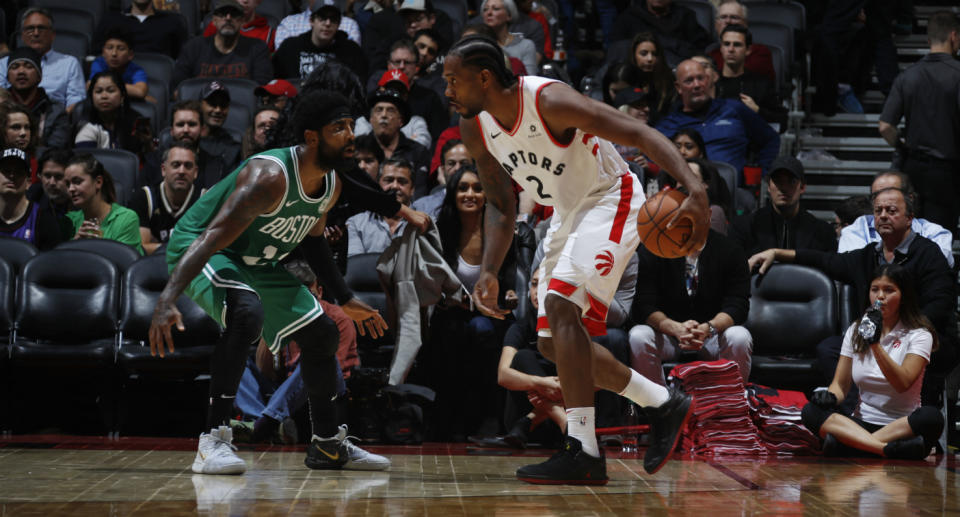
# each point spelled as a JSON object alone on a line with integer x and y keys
{"x": 80, "y": 476}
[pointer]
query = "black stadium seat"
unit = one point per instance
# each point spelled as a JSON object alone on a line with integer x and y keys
{"x": 123, "y": 167}
{"x": 95, "y": 7}
{"x": 120, "y": 254}
{"x": 157, "y": 66}
{"x": 66, "y": 324}
{"x": 142, "y": 285}
{"x": 7, "y": 285}
{"x": 792, "y": 309}
{"x": 16, "y": 252}
{"x": 361, "y": 277}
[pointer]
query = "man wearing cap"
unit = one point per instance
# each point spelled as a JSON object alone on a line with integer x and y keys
{"x": 24, "y": 74}
{"x": 225, "y": 54}
{"x": 782, "y": 223}
{"x": 21, "y": 218}
{"x": 389, "y": 25}
{"x": 252, "y": 25}
{"x": 423, "y": 101}
{"x": 186, "y": 127}
{"x": 299, "y": 55}
{"x": 152, "y": 30}
{"x": 62, "y": 75}
{"x": 276, "y": 93}
{"x": 214, "y": 139}
{"x": 388, "y": 113}
{"x": 416, "y": 127}
{"x": 296, "y": 24}
{"x": 372, "y": 233}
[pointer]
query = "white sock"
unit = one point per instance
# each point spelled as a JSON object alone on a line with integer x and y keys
{"x": 645, "y": 392}
{"x": 580, "y": 425}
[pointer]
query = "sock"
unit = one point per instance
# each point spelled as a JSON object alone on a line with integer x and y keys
{"x": 580, "y": 425}
{"x": 645, "y": 392}
{"x": 219, "y": 410}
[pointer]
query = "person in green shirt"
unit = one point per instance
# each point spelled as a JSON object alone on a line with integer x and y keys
{"x": 98, "y": 216}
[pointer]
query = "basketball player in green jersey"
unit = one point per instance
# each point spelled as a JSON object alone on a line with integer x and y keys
{"x": 224, "y": 253}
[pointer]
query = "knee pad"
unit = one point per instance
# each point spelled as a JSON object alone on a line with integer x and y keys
{"x": 244, "y": 315}
{"x": 812, "y": 417}
{"x": 926, "y": 421}
{"x": 320, "y": 336}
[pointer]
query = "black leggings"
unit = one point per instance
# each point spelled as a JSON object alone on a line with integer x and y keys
{"x": 925, "y": 421}
{"x": 244, "y": 323}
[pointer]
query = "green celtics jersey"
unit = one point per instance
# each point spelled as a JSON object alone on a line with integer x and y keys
{"x": 271, "y": 236}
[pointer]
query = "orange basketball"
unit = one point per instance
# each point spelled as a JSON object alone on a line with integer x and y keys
{"x": 655, "y": 213}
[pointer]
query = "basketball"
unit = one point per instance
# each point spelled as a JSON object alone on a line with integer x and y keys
{"x": 652, "y": 224}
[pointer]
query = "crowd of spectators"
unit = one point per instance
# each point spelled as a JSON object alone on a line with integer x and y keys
{"x": 717, "y": 97}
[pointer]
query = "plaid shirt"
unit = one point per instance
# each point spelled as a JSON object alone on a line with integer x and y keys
{"x": 297, "y": 24}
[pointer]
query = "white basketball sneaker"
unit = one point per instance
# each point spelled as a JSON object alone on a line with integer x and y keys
{"x": 216, "y": 453}
{"x": 360, "y": 459}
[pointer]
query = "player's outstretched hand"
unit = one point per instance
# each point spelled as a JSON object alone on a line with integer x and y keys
{"x": 165, "y": 315}
{"x": 484, "y": 296}
{"x": 696, "y": 209}
{"x": 365, "y": 316}
{"x": 762, "y": 261}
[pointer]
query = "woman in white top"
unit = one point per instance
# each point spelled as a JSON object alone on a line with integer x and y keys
{"x": 498, "y": 14}
{"x": 464, "y": 344}
{"x": 888, "y": 368}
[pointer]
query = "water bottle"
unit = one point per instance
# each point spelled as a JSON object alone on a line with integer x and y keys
{"x": 867, "y": 327}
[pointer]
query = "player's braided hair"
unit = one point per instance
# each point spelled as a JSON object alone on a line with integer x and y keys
{"x": 483, "y": 53}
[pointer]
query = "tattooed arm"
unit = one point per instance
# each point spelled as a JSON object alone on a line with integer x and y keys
{"x": 260, "y": 187}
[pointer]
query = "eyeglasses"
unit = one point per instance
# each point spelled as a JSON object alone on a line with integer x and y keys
{"x": 403, "y": 62}
{"x": 39, "y": 29}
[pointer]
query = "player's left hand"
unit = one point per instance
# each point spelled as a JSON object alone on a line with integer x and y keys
{"x": 695, "y": 208}
{"x": 484, "y": 296}
{"x": 365, "y": 316}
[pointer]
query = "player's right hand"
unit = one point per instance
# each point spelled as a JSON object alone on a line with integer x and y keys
{"x": 762, "y": 261}
{"x": 165, "y": 315}
{"x": 696, "y": 209}
{"x": 484, "y": 296}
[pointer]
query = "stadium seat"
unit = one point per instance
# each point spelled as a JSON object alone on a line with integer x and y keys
{"x": 847, "y": 305}
{"x": 238, "y": 120}
{"x": 142, "y": 285}
{"x": 456, "y": 10}
{"x": 704, "y": 12}
{"x": 276, "y": 10}
{"x": 241, "y": 90}
{"x": 95, "y": 7}
{"x": 66, "y": 325}
{"x": 7, "y": 285}
{"x": 774, "y": 34}
{"x": 121, "y": 255}
{"x": 791, "y": 14}
{"x": 362, "y": 279}
{"x": 743, "y": 200}
{"x": 16, "y": 252}
{"x": 157, "y": 66}
{"x": 147, "y": 110}
{"x": 783, "y": 350}
{"x": 124, "y": 168}
{"x": 160, "y": 90}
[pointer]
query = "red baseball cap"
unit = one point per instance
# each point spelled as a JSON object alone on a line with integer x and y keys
{"x": 394, "y": 75}
{"x": 277, "y": 87}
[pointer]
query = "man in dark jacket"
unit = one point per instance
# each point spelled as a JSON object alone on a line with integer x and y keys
{"x": 692, "y": 308}
{"x": 893, "y": 212}
{"x": 387, "y": 26}
{"x": 162, "y": 32}
{"x": 675, "y": 25}
{"x": 298, "y": 56}
{"x": 782, "y": 223}
{"x": 24, "y": 74}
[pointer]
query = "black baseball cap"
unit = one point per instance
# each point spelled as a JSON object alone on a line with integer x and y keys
{"x": 789, "y": 164}
{"x": 15, "y": 159}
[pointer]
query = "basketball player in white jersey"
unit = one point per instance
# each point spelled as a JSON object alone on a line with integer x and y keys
{"x": 553, "y": 141}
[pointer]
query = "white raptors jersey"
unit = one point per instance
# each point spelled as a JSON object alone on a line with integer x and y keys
{"x": 555, "y": 175}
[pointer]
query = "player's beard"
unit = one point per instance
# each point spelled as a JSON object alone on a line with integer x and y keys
{"x": 334, "y": 160}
